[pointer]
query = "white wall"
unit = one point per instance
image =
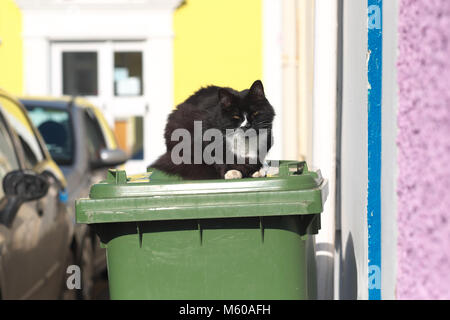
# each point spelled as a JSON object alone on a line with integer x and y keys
{"x": 272, "y": 70}
{"x": 389, "y": 152}
{"x": 324, "y": 134}
{"x": 353, "y": 266}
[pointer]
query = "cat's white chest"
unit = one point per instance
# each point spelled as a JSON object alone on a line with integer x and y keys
{"x": 245, "y": 144}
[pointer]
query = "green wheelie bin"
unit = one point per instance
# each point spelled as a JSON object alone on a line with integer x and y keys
{"x": 168, "y": 238}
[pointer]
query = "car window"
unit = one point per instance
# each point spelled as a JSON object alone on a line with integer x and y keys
{"x": 32, "y": 150}
{"x": 108, "y": 134}
{"x": 8, "y": 158}
{"x": 55, "y": 126}
{"x": 95, "y": 141}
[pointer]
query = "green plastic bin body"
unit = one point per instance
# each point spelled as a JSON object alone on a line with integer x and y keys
{"x": 212, "y": 239}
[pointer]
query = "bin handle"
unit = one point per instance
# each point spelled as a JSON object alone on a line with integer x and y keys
{"x": 290, "y": 168}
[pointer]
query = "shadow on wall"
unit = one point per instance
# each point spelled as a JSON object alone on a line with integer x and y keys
{"x": 349, "y": 273}
{"x": 325, "y": 271}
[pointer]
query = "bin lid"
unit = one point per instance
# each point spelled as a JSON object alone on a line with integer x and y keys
{"x": 293, "y": 190}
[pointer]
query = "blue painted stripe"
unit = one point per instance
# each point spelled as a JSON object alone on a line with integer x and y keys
{"x": 375, "y": 69}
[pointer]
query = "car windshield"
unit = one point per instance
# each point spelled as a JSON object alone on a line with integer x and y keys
{"x": 56, "y": 129}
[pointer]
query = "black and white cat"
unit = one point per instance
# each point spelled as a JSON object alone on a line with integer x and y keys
{"x": 239, "y": 116}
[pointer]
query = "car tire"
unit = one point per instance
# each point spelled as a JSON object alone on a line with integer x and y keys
{"x": 86, "y": 263}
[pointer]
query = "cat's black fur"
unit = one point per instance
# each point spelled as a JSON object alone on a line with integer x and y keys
{"x": 219, "y": 108}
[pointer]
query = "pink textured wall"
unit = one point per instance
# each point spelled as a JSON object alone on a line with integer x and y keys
{"x": 424, "y": 150}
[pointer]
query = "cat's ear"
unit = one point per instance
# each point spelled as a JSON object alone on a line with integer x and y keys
{"x": 257, "y": 90}
{"x": 225, "y": 98}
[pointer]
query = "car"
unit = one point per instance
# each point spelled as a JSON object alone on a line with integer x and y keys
{"x": 83, "y": 145}
{"x": 35, "y": 228}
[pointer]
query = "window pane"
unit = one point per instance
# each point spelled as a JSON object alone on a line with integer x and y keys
{"x": 18, "y": 120}
{"x": 56, "y": 129}
{"x": 8, "y": 160}
{"x": 128, "y": 74}
{"x": 95, "y": 141}
{"x": 80, "y": 73}
{"x": 130, "y": 136}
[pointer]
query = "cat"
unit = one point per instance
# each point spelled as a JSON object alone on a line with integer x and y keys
{"x": 233, "y": 113}
{"x": 259, "y": 115}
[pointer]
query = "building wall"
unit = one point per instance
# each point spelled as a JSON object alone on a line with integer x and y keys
{"x": 11, "y": 72}
{"x": 389, "y": 151}
{"x": 217, "y": 42}
{"x": 353, "y": 243}
{"x": 353, "y": 222}
{"x": 424, "y": 150}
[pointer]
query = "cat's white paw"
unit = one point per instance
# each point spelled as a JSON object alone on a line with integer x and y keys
{"x": 233, "y": 174}
{"x": 260, "y": 174}
{"x": 256, "y": 175}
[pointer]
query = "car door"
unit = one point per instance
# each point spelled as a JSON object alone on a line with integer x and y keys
{"x": 18, "y": 278}
{"x": 38, "y": 235}
{"x": 95, "y": 142}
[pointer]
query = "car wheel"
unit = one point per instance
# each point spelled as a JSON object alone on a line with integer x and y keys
{"x": 86, "y": 263}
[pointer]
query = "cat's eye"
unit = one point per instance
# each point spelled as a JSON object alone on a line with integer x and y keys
{"x": 236, "y": 117}
{"x": 255, "y": 113}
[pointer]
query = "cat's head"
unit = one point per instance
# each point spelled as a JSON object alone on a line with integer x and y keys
{"x": 258, "y": 112}
{"x": 232, "y": 113}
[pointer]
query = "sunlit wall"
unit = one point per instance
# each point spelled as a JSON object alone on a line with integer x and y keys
{"x": 217, "y": 42}
{"x": 11, "y": 74}
{"x": 424, "y": 150}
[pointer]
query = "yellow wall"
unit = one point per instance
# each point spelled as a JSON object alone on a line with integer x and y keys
{"x": 217, "y": 42}
{"x": 11, "y": 62}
